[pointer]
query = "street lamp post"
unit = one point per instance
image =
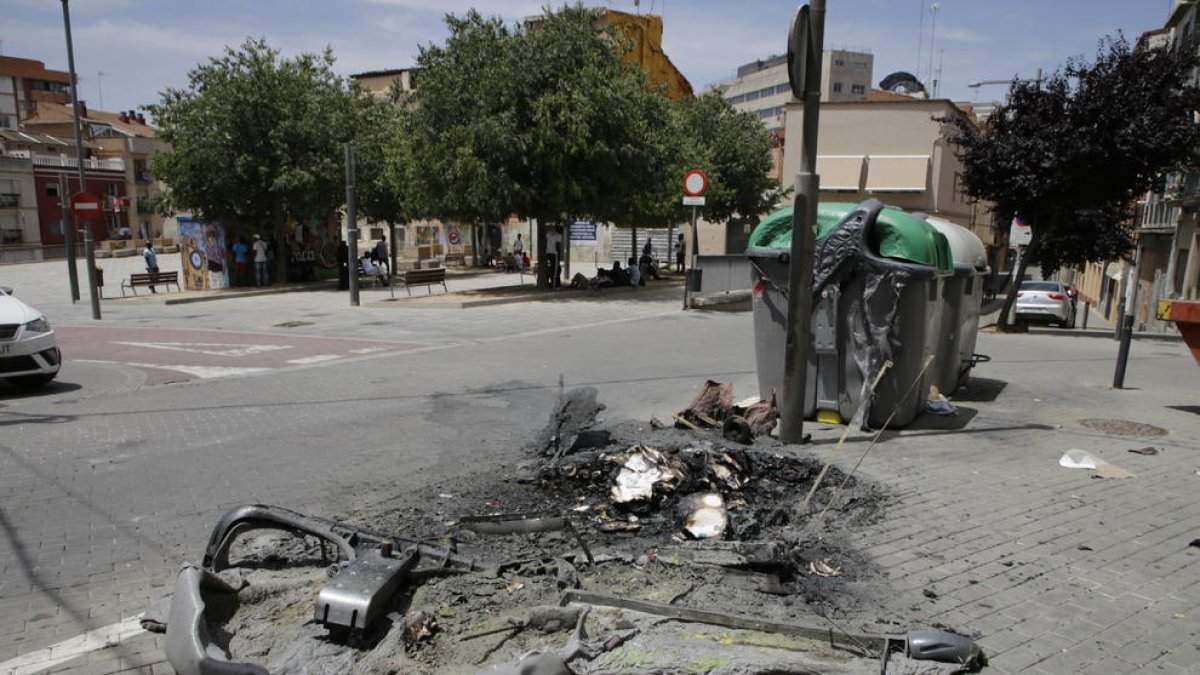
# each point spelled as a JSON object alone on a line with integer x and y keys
{"x": 89, "y": 247}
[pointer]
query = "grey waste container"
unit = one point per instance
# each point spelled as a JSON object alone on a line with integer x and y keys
{"x": 868, "y": 308}
{"x": 964, "y": 297}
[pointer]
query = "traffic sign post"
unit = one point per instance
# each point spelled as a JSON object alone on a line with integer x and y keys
{"x": 695, "y": 183}
{"x": 85, "y": 206}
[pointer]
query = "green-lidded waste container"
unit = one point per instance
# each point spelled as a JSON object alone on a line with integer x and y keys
{"x": 964, "y": 297}
{"x": 877, "y": 283}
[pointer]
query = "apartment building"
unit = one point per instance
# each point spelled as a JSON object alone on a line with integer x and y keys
{"x": 762, "y": 88}
{"x": 24, "y": 83}
{"x": 891, "y": 147}
{"x": 121, "y": 139}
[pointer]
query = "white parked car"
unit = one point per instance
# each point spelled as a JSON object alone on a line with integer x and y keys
{"x": 1045, "y": 301}
{"x": 29, "y": 355}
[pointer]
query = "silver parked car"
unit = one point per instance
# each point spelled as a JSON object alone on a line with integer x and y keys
{"x": 1045, "y": 302}
{"x": 29, "y": 355}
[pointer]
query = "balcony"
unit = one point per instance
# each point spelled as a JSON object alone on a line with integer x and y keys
{"x": 9, "y": 200}
{"x": 1157, "y": 215}
{"x": 11, "y": 163}
{"x": 65, "y": 162}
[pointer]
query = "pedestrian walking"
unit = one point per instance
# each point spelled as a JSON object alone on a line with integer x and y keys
{"x": 260, "y": 262}
{"x": 151, "y": 263}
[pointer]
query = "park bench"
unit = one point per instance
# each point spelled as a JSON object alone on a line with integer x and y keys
{"x": 426, "y": 277}
{"x": 457, "y": 259}
{"x": 150, "y": 279}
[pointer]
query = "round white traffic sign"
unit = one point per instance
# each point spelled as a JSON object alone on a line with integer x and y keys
{"x": 695, "y": 182}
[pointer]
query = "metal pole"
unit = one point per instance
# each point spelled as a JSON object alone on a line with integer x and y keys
{"x": 810, "y": 48}
{"x": 87, "y": 236}
{"x": 352, "y": 225}
{"x": 89, "y": 248}
{"x": 1131, "y": 293}
{"x": 68, "y": 228}
{"x": 691, "y": 264}
{"x": 68, "y": 221}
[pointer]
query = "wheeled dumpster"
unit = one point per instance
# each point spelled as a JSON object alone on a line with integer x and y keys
{"x": 877, "y": 285}
{"x": 955, "y": 351}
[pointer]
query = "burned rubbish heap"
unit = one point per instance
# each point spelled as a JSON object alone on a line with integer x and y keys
{"x": 570, "y": 565}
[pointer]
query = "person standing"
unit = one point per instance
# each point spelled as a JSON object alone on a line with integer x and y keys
{"x": 382, "y": 254}
{"x": 680, "y": 253}
{"x": 151, "y": 263}
{"x": 343, "y": 256}
{"x": 518, "y": 249}
{"x": 553, "y": 255}
{"x": 260, "y": 261}
{"x": 241, "y": 256}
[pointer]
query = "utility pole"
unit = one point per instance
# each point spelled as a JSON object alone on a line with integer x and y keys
{"x": 88, "y": 244}
{"x": 805, "y": 50}
{"x": 352, "y": 226}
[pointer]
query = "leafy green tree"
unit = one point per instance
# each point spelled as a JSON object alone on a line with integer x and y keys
{"x": 256, "y": 138}
{"x": 1071, "y": 154}
{"x": 543, "y": 122}
{"x": 380, "y": 157}
{"x": 734, "y": 151}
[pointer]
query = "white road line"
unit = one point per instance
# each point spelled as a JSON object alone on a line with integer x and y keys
{"x": 210, "y": 348}
{"x": 314, "y": 359}
{"x": 368, "y": 350}
{"x": 202, "y": 372}
{"x": 101, "y": 638}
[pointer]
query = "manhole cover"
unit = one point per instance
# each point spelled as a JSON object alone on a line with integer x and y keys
{"x": 293, "y": 324}
{"x": 1122, "y": 427}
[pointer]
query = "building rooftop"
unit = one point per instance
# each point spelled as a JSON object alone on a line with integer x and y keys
{"x": 31, "y": 69}
{"x": 48, "y": 113}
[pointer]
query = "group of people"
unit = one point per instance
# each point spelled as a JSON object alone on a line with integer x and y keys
{"x": 241, "y": 261}
{"x": 376, "y": 263}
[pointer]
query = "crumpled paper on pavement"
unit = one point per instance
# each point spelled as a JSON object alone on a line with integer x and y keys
{"x": 1082, "y": 459}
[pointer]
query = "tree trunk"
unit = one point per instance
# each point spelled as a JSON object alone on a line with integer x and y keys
{"x": 1014, "y": 287}
{"x": 281, "y": 246}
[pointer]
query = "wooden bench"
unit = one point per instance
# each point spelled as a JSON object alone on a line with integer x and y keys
{"x": 150, "y": 279}
{"x": 458, "y": 259}
{"x": 427, "y": 277}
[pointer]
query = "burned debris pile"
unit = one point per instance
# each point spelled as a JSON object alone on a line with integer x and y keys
{"x": 569, "y": 563}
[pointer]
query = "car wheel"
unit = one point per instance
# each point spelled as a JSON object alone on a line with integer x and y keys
{"x": 32, "y": 381}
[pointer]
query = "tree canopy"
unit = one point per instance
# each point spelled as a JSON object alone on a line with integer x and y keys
{"x": 549, "y": 121}
{"x": 256, "y": 138}
{"x": 1072, "y": 153}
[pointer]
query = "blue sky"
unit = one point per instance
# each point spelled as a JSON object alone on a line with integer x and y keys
{"x": 142, "y": 46}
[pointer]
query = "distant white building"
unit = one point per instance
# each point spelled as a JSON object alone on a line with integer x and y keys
{"x": 761, "y": 87}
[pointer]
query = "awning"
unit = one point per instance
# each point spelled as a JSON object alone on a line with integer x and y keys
{"x": 840, "y": 172}
{"x": 897, "y": 173}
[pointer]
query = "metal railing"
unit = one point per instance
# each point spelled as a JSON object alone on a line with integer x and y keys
{"x": 1157, "y": 215}
{"x": 9, "y": 200}
{"x": 64, "y": 161}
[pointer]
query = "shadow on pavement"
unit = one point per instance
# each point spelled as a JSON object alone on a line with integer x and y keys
{"x": 9, "y": 392}
{"x": 979, "y": 390}
{"x": 10, "y": 418}
{"x": 1194, "y": 409}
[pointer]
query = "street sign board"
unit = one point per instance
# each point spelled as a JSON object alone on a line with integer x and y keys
{"x": 1019, "y": 233}
{"x": 583, "y": 231}
{"x": 693, "y": 201}
{"x": 85, "y": 205}
{"x": 695, "y": 182}
{"x": 1113, "y": 271}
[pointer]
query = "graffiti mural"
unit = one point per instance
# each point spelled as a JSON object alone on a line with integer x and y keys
{"x": 203, "y": 250}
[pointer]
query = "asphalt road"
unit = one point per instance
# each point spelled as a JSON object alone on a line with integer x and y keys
{"x": 113, "y": 477}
